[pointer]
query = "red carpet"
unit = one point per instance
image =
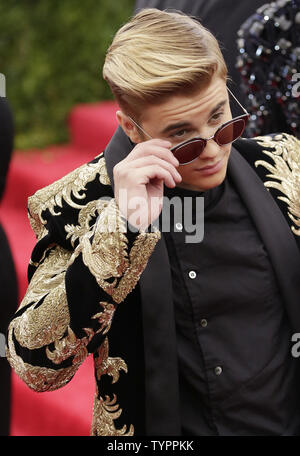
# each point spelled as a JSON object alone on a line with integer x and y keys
{"x": 68, "y": 411}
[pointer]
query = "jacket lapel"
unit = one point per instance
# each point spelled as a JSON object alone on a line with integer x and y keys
{"x": 161, "y": 372}
{"x": 274, "y": 231}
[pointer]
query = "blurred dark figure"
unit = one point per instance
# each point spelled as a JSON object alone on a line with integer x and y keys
{"x": 223, "y": 18}
{"x": 8, "y": 280}
{"x": 269, "y": 62}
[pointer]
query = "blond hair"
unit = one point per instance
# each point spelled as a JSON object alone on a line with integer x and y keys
{"x": 157, "y": 54}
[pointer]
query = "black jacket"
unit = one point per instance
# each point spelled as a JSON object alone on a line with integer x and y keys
{"x": 97, "y": 289}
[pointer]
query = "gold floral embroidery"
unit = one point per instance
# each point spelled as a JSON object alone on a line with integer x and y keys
{"x": 38, "y": 378}
{"x": 103, "y": 175}
{"x": 106, "y": 255}
{"x": 140, "y": 252}
{"x": 108, "y": 365}
{"x": 37, "y": 263}
{"x": 105, "y": 317}
{"x": 106, "y": 411}
{"x": 92, "y": 209}
{"x": 69, "y": 346}
{"x": 47, "y": 379}
{"x": 284, "y": 172}
{"x": 71, "y": 185}
{"x": 42, "y": 324}
{"x": 104, "y": 414}
{"x": 35, "y": 222}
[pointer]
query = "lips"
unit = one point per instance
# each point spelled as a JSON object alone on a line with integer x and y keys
{"x": 209, "y": 167}
{"x": 206, "y": 170}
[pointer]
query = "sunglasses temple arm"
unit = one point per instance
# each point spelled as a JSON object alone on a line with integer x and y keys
{"x": 245, "y": 111}
{"x": 138, "y": 126}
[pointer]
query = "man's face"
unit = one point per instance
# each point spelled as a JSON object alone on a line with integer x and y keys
{"x": 184, "y": 117}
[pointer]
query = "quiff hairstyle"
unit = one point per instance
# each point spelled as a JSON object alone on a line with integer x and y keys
{"x": 158, "y": 54}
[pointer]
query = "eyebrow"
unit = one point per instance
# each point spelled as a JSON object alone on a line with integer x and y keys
{"x": 182, "y": 124}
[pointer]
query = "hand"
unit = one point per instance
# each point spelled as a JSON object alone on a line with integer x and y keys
{"x": 139, "y": 181}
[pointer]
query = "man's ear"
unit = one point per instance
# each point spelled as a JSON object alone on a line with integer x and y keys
{"x": 128, "y": 127}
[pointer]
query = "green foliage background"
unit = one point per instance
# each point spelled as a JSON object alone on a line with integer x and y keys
{"x": 51, "y": 53}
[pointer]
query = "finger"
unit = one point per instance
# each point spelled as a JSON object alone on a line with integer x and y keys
{"x": 157, "y": 141}
{"x": 154, "y": 160}
{"x": 142, "y": 176}
{"x": 151, "y": 148}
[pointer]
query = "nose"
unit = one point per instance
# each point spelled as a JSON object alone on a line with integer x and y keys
{"x": 211, "y": 151}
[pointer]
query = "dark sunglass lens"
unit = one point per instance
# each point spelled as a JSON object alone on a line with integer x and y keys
{"x": 188, "y": 152}
{"x": 230, "y": 132}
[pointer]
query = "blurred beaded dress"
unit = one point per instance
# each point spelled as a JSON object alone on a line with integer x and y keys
{"x": 269, "y": 64}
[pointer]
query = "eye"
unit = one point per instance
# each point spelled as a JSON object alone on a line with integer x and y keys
{"x": 216, "y": 117}
{"x": 179, "y": 134}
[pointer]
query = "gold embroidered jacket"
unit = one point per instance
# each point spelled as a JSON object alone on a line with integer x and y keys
{"x": 83, "y": 274}
{"x": 49, "y": 338}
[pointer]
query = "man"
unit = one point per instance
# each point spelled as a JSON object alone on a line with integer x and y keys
{"x": 188, "y": 338}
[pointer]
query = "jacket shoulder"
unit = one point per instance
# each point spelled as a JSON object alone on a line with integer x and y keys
{"x": 276, "y": 159}
{"x": 64, "y": 199}
{"x": 253, "y": 149}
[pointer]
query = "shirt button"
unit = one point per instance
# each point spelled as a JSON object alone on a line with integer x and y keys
{"x": 192, "y": 274}
{"x": 203, "y": 322}
{"x": 179, "y": 226}
{"x": 218, "y": 370}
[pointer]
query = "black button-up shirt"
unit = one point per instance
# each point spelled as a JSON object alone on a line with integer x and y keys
{"x": 236, "y": 372}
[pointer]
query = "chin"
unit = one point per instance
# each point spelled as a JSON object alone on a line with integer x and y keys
{"x": 213, "y": 182}
{"x": 206, "y": 182}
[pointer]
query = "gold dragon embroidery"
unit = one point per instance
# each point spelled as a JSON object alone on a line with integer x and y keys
{"x": 65, "y": 189}
{"x": 38, "y": 378}
{"x": 284, "y": 171}
{"x": 107, "y": 410}
{"x": 47, "y": 283}
{"x": 103, "y": 246}
{"x": 104, "y": 252}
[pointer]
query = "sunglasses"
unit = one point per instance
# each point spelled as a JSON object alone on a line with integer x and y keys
{"x": 188, "y": 151}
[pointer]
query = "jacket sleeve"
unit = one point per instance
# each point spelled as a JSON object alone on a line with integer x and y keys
{"x": 73, "y": 292}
